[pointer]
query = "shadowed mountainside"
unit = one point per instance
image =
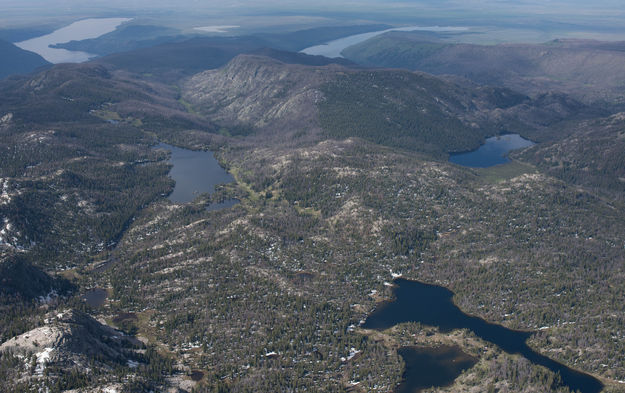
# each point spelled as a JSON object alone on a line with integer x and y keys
{"x": 14, "y": 60}
{"x": 397, "y": 108}
{"x": 591, "y": 71}
{"x": 592, "y": 156}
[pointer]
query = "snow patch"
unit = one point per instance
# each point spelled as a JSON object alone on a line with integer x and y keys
{"x": 6, "y": 118}
{"x": 49, "y": 297}
{"x": 7, "y": 236}
{"x": 352, "y": 352}
{"x": 42, "y": 359}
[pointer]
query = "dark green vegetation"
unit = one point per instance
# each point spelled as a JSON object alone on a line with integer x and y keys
{"x": 268, "y": 295}
{"x": 593, "y": 156}
{"x": 419, "y": 112}
{"x": 18, "y": 61}
{"x": 184, "y": 58}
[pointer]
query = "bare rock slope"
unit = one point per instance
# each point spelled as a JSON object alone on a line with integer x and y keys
{"x": 260, "y": 92}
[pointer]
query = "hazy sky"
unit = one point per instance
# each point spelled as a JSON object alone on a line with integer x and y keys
{"x": 549, "y": 6}
{"x": 597, "y": 14}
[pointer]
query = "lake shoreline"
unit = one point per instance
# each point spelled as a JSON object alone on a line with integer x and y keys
{"x": 437, "y": 309}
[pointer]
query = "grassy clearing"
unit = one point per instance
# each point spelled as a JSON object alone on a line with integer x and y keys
{"x": 499, "y": 173}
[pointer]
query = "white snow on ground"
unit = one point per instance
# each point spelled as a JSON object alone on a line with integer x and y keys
{"x": 49, "y": 297}
{"x": 42, "y": 359}
{"x": 352, "y": 352}
{"x": 6, "y": 237}
{"x": 5, "y": 198}
{"x": 6, "y": 118}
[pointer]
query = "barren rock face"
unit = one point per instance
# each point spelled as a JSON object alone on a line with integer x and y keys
{"x": 71, "y": 339}
{"x": 260, "y": 92}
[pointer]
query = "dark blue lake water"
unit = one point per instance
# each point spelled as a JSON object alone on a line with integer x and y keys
{"x": 95, "y": 297}
{"x": 195, "y": 172}
{"x": 432, "y": 305}
{"x": 493, "y": 152}
{"x": 427, "y": 367}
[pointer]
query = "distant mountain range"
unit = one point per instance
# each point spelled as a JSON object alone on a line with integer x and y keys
{"x": 590, "y": 71}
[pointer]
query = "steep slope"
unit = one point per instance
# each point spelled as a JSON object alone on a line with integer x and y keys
{"x": 593, "y": 156}
{"x": 259, "y": 92}
{"x": 14, "y": 60}
{"x": 71, "y": 350}
{"x": 416, "y": 111}
{"x": 588, "y": 70}
{"x": 19, "y": 279}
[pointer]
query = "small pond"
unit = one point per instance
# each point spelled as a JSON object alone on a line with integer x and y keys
{"x": 432, "y": 305}
{"x": 493, "y": 152}
{"x": 95, "y": 297}
{"x": 428, "y": 367}
{"x": 196, "y": 172}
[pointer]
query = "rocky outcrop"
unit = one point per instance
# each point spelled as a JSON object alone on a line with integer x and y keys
{"x": 72, "y": 340}
{"x": 260, "y": 92}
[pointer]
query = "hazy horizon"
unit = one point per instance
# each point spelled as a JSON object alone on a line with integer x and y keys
{"x": 496, "y": 20}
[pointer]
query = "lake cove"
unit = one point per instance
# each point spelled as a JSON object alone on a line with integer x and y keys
{"x": 77, "y": 31}
{"x": 493, "y": 152}
{"x": 432, "y": 305}
{"x": 196, "y": 172}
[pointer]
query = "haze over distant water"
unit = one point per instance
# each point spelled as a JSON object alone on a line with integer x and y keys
{"x": 77, "y": 31}
{"x": 216, "y": 29}
{"x": 334, "y": 48}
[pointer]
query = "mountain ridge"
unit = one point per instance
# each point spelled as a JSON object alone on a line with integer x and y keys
{"x": 15, "y": 61}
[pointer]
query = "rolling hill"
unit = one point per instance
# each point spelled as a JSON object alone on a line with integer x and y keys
{"x": 590, "y": 71}
{"x": 18, "y": 61}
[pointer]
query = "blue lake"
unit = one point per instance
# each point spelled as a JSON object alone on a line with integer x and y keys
{"x": 436, "y": 366}
{"x": 493, "y": 152}
{"x": 432, "y": 305}
{"x": 334, "y": 48}
{"x": 77, "y": 31}
{"x": 196, "y": 172}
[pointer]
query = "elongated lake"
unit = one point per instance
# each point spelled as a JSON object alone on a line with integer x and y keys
{"x": 432, "y": 305}
{"x": 196, "y": 172}
{"x": 77, "y": 31}
{"x": 493, "y": 152}
{"x": 334, "y": 48}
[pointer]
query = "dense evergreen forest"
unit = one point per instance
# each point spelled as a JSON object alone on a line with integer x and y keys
{"x": 343, "y": 182}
